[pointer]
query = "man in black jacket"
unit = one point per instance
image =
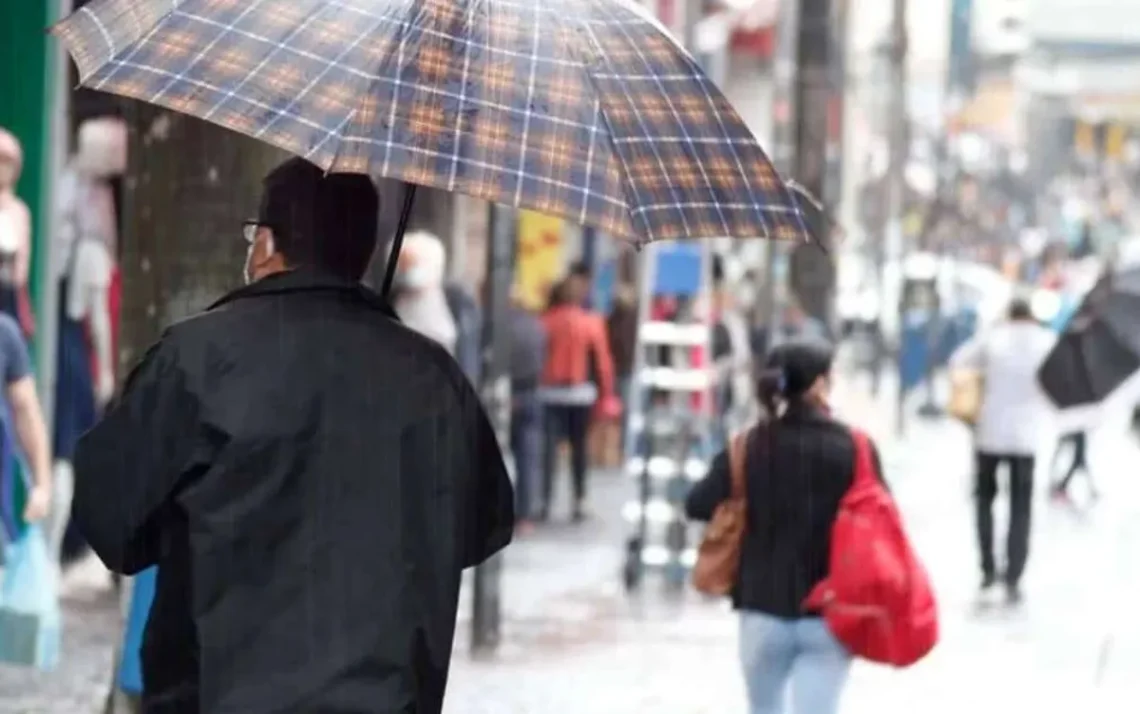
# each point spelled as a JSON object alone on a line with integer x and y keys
{"x": 310, "y": 477}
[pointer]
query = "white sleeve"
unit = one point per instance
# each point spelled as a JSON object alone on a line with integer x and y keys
{"x": 90, "y": 278}
{"x": 970, "y": 355}
{"x": 93, "y": 265}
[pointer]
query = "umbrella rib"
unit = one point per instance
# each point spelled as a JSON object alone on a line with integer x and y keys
{"x": 736, "y": 154}
{"x": 521, "y": 175}
{"x": 696, "y": 76}
{"x": 457, "y": 136}
{"x": 338, "y": 132}
{"x": 253, "y": 5}
{"x": 601, "y": 118}
{"x": 601, "y": 53}
{"x": 135, "y": 46}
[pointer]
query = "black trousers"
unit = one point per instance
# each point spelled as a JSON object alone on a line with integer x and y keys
{"x": 571, "y": 423}
{"x": 1080, "y": 462}
{"x": 1020, "y": 512}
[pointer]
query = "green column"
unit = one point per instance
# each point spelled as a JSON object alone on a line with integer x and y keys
{"x": 30, "y": 81}
{"x": 24, "y": 108}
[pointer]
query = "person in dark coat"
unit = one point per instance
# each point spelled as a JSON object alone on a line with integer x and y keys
{"x": 468, "y": 329}
{"x": 621, "y": 327}
{"x": 310, "y": 476}
{"x": 798, "y": 464}
{"x": 528, "y": 357}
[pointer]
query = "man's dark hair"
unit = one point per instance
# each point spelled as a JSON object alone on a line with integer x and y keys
{"x": 581, "y": 269}
{"x": 327, "y": 221}
{"x": 1019, "y": 310}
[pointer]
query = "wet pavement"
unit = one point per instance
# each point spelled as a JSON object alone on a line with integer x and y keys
{"x": 1073, "y": 645}
{"x": 574, "y": 641}
{"x": 83, "y": 678}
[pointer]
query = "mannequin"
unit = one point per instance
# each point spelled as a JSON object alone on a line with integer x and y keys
{"x": 420, "y": 299}
{"x": 15, "y": 235}
{"x": 85, "y": 270}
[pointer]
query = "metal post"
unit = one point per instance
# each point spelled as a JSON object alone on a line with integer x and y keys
{"x": 836, "y": 140}
{"x": 895, "y": 189}
{"x": 486, "y": 616}
{"x": 785, "y": 112}
{"x": 59, "y": 109}
{"x": 959, "y": 77}
{"x": 812, "y": 271}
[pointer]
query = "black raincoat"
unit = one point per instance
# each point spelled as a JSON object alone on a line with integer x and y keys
{"x": 311, "y": 478}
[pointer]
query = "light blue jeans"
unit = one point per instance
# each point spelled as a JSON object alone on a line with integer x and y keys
{"x": 797, "y": 655}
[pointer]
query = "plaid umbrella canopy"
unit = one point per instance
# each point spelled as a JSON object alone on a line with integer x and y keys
{"x": 584, "y": 109}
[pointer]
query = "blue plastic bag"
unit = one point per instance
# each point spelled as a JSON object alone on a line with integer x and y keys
{"x": 142, "y": 596}
{"x": 29, "y": 604}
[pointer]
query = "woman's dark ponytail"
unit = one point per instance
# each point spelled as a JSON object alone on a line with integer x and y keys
{"x": 790, "y": 371}
{"x": 771, "y": 385}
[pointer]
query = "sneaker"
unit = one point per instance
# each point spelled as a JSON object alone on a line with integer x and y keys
{"x": 986, "y": 592}
{"x": 1013, "y": 594}
{"x": 581, "y": 512}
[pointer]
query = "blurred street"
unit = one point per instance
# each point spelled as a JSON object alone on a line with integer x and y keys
{"x": 947, "y": 194}
{"x": 573, "y": 641}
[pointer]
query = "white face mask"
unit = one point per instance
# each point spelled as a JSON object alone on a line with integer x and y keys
{"x": 415, "y": 278}
{"x": 247, "y": 270}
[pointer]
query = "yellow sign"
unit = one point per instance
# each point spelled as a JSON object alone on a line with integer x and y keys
{"x": 1114, "y": 139}
{"x": 539, "y": 258}
{"x": 1085, "y": 139}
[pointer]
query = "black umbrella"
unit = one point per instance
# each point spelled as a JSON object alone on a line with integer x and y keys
{"x": 1100, "y": 347}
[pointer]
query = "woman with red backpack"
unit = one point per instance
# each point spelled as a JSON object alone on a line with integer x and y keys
{"x": 803, "y": 612}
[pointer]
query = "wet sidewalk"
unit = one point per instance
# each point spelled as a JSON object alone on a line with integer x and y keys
{"x": 575, "y": 642}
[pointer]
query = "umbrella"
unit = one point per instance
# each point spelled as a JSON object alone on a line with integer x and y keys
{"x": 1100, "y": 347}
{"x": 583, "y": 109}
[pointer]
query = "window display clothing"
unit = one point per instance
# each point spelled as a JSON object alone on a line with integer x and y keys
{"x": 83, "y": 291}
{"x": 75, "y": 410}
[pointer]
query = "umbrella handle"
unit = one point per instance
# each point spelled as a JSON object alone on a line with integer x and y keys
{"x": 398, "y": 239}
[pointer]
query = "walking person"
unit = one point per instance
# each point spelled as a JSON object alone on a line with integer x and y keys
{"x": 578, "y": 374}
{"x": 798, "y": 464}
{"x": 15, "y": 237}
{"x": 528, "y": 357}
{"x": 309, "y": 475}
{"x": 419, "y": 297}
{"x": 1012, "y": 415}
{"x": 1077, "y": 438}
{"x": 1078, "y": 463}
{"x": 23, "y": 436}
{"x": 621, "y": 330}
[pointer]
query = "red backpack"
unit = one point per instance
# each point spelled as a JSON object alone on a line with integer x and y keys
{"x": 877, "y": 599}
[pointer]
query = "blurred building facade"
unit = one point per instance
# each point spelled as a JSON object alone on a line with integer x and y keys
{"x": 1079, "y": 76}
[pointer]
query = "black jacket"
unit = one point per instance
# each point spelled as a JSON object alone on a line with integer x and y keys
{"x": 468, "y": 330}
{"x": 796, "y": 471}
{"x": 528, "y": 349}
{"x": 311, "y": 478}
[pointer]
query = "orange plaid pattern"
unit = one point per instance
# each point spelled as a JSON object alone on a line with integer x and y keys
{"x": 583, "y": 109}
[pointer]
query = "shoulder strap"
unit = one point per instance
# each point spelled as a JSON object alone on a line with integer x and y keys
{"x": 737, "y": 452}
{"x": 864, "y": 463}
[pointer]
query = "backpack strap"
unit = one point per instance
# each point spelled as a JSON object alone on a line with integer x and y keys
{"x": 737, "y": 452}
{"x": 864, "y": 461}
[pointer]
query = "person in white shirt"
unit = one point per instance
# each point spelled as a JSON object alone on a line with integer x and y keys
{"x": 15, "y": 236}
{"x": 419, "y": 297}
{"x": 1013, "y": 417}
{"x": 85, "y": 243}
